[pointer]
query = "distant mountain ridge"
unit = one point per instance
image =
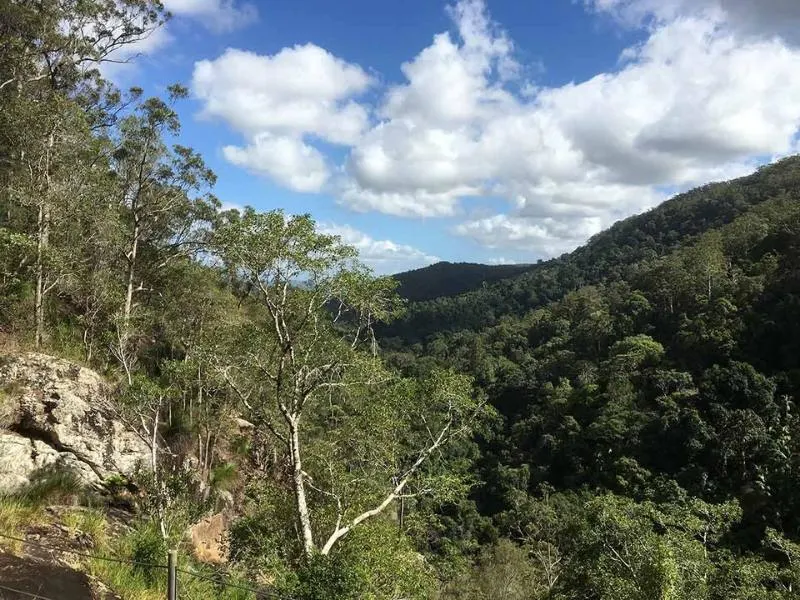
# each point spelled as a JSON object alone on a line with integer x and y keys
{"x": 450, "y": 279}
{"x": 606, "y": 256}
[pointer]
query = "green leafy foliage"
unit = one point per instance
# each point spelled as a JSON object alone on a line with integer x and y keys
{"x": 665, "y": 382}
{"x": 616, "y": 423}
{"x": 451, "y": 279}
{"x": 616, "y": 254}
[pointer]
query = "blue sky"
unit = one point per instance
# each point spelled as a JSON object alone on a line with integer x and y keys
{"x": 472, "y": 130}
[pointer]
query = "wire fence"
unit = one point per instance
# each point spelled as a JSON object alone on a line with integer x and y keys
{"x": 5, "y": 588}
{"x": 82, "y": 554}
{"x": 220, "y": 579}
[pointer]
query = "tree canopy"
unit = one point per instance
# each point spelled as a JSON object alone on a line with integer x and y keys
{"x": 617, "y": 423}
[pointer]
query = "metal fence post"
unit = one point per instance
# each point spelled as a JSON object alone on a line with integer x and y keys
{"x": 172, "y": 575}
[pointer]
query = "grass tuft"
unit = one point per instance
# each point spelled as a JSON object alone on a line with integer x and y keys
{"x": 88, "y": 522}
{"x": 126, "y": 582}
{"x": 16, "y": 515}
{"x": 142, "y": 544}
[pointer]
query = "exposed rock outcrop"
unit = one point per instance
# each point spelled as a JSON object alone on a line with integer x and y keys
{"x": 208, "y": 538}
{"x": 21, "y": 457}
{"x": 57, "y": 413}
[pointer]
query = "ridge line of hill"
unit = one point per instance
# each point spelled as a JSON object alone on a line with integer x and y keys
{"x": 606, "y": 256}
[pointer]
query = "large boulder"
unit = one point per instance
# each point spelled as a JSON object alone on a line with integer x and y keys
{"x": 21, "y": 457}
{"x": 56, "y": 413}
{"x": 208, "y": 538}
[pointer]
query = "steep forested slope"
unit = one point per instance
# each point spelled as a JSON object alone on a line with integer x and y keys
{"x": 451, "y": 279}
{"x": 606, "y": 256}
{"x": 653, "y": 410}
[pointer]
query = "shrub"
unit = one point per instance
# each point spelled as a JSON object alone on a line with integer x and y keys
{"x": 147, "y": 547}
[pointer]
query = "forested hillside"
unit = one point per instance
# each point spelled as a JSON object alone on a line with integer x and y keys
{"x": 619, "y": 423}
{"x": 451, "y": 279}
{"x": 648, "y": 444}
{"x": 607, "y": 256}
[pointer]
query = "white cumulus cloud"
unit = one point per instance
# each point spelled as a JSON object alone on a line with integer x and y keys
{"x": 287, "y": 160}
{"x": 218, "y": 15}
{"x": 695, "y": 102}
{"x": 384, "y": 256}
{"x": 300, "y": 90}
{"x": 279, "y": 103}
{"x": 711, "y": 92}
{"x": 418, "y": 203}
{"x": 546, "y": 235}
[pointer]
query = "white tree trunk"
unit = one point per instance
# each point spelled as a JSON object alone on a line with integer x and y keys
{"x": 43, "y": 240}
{"x": 303, "y": 516}
{"x": 132, "y": 254}
{"x": 42, "y": 243}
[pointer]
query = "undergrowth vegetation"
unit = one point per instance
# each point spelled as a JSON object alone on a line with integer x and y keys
{"x": 617, "y": 424}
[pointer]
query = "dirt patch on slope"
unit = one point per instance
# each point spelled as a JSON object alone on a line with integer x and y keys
{"x": 42, "y": 579}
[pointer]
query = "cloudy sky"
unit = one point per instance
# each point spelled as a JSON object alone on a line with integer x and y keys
{"x": 481, "y": 130}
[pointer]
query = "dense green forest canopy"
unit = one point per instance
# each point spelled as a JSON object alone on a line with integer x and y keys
{"x": 451, "y": 279}
{"x": 657, "y": 373}
{"x": 607, "y": 256}
{"x": 619, "y": 423}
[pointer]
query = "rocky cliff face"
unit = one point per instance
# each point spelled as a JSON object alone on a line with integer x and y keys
{"x": 54, "y": 413}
